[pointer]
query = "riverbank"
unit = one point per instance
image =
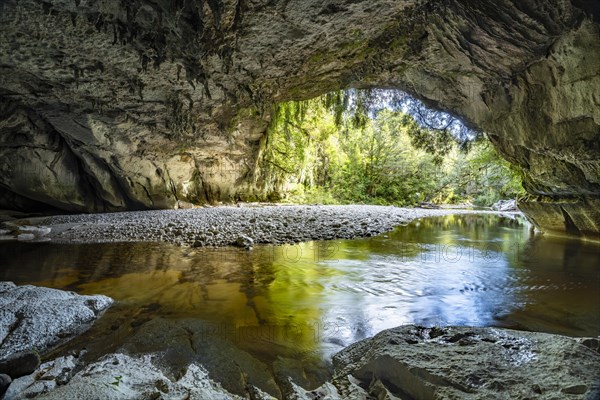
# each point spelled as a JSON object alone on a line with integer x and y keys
{"x": 240, "y": 226}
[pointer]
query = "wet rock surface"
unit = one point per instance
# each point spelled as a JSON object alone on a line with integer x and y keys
{"x": 164, "y": 359}
{"x": 44, "y": 378}
{"x": 577, "y": 216}
{"x": 468, "y": 363}
{"x": 12, "y": 231}
{"x": 38, "y": 319}
{"x": 168, "y": 358}
{"x": 505, "y": 205}
{"x": 121, "y": 376}
{"x": 20, "y": 364}
{"x": 186, "y": 341}
{"x": 234, "y": 226}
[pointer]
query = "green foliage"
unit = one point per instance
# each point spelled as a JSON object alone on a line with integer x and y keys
{"x": 494, "y": 176}
{"x": 318, "y": 152}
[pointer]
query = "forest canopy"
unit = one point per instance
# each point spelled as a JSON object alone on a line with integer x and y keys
{"x": 380, "y": 147}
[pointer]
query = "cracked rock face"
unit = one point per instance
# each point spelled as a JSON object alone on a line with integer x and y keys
{"x": 172, "y": 358}
{"x": 118, "y": 105}
{"x": 468, "y": 363}
{"x": 37, "y": 318}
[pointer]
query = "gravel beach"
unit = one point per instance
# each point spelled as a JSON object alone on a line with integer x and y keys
{"x": 240, "y": 226}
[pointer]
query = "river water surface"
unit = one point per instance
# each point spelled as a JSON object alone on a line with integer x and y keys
{"x": 307, "y": 301}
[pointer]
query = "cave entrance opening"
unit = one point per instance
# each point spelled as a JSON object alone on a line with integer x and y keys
{"x": 379, "y": 147}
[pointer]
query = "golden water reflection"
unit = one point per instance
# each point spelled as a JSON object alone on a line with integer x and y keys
{"x": 311, "y": 299}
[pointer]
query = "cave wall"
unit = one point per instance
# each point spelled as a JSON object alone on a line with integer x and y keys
{"x": 110, "y": 105}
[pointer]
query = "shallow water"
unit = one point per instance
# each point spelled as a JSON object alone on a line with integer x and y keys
{"x": 307, "y": 301}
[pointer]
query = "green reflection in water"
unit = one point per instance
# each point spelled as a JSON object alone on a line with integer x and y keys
{"x": 307, "y": 301}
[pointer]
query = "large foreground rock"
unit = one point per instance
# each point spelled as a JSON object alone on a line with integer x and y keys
{"x": 37, "y": 318}
{"x": 188, "y": 359}
{"x": 412, "y": 362}
{"x": 120, "y": 376}
{"x": 176, "y": 359}
{"x": 187, "y": 341}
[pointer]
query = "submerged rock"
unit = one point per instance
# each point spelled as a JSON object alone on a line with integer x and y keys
{"x": 468, "y": 363}
{"x": 41, "y": 318}
{"x": 244, "y": 241}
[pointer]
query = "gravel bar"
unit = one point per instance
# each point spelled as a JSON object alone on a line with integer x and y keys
{"x": 240, "y": 226}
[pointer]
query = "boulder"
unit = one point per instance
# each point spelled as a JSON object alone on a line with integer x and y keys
{"x": 25, "y": 236}
{"x": 505, "y": 205}
{"x": 468, "y": 363}
{"x": 20, "y": 364}
{"x": 28, "y": 387}
{"x": 182, "y": 342}
{"x": 37, "y": 231}
{"x": 44, "y": 379}
{"x": 244, "y": 242}
{"x": 5, "y": 382}
{"x": 121, "y": 376}
{"x": 42, "y": 318}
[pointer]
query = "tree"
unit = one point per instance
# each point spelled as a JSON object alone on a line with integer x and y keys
{"x": 342, "y": 148}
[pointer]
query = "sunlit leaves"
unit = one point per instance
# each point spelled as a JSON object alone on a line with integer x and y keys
{"x": 378, "y": 146}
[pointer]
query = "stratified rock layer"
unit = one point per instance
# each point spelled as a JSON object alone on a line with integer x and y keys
{"x": 468, "y": 363}
{"x": 37, "y": 318}
{"x": 169, "y": 358}
{"x": 115, "y": 105}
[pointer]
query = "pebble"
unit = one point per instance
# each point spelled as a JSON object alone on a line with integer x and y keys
{"x": 224, "y": 225}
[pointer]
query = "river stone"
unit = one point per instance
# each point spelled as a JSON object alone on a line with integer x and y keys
{"x": 244, "y": 241}
{"x": 28, "y": 387}
{"x": 25, "y": 236}
{"x": 41, "y": 318}
{"x": 470, "y": 363}
{"x": 121, "y": 376}
{"x": 35, "y": 230}
{"x": 59, "y": 369}
{"x": 20, "y": 364}
{"x": 4, "y": 383}
{"x": 186, "y": 341}
{"x": 505, "y": 205}
{"x": 44, "y": 379}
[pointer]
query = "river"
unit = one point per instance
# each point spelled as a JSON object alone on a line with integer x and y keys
{"x": 309, "y": 300}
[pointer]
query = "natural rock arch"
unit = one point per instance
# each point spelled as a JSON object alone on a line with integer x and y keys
{"x": 115, "y": 104}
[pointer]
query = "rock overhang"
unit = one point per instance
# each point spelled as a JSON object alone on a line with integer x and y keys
{"x": 117, "y": 105}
